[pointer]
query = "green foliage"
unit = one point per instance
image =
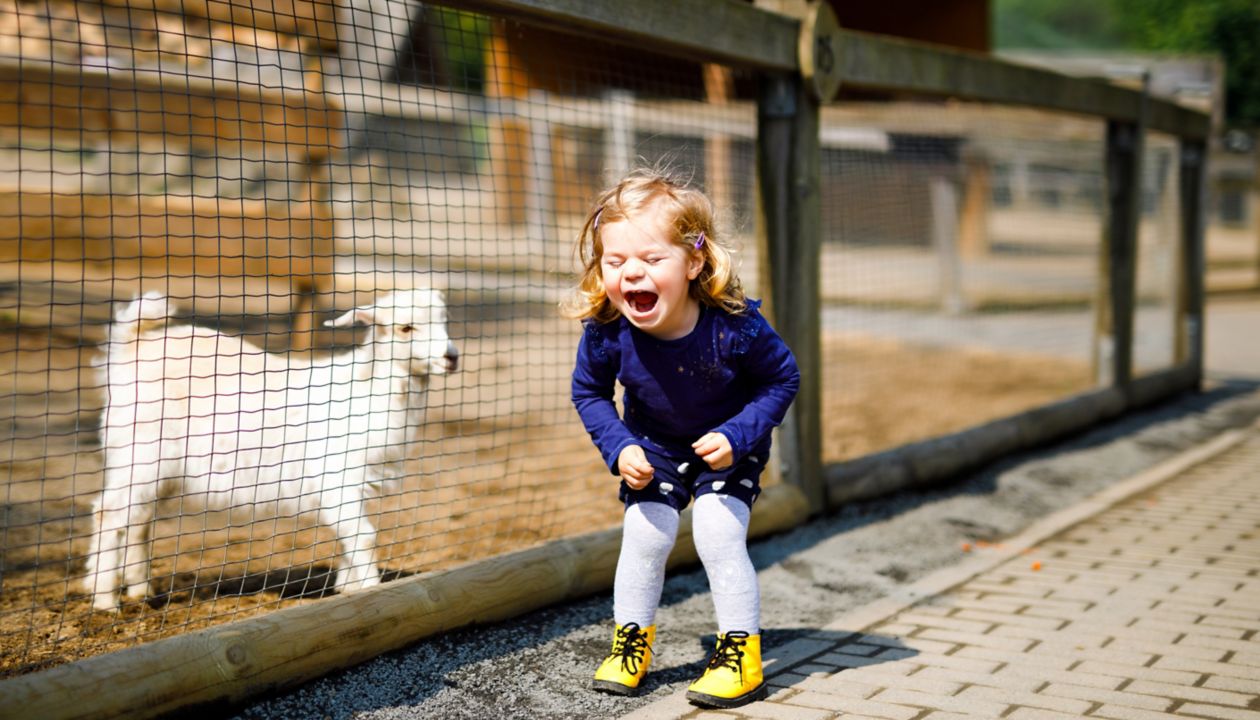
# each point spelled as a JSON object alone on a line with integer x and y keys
{"x": 1230, "y": 28}
{"x": 463, "y": 36}
{"x": 1058, "y": 25}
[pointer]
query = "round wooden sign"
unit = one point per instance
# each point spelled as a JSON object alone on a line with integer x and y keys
{"x": 819, "y": 51}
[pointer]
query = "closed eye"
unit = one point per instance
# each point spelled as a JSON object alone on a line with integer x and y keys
{"x": 406, "y": 328}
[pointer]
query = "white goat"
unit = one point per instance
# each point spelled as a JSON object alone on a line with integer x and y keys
{"x": 193, "y": 412}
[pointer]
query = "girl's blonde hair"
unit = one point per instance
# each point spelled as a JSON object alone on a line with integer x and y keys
{"x": 717, "y": 285}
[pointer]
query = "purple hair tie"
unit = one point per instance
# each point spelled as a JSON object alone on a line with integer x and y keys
{"x": 700, "y": 240}
{"x": 597, "y": 214}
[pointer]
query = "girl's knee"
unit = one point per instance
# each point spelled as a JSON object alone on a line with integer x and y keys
{"x": 651, "y": 525}
{"x": 720, "y": 525}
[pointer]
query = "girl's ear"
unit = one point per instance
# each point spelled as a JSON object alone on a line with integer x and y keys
{"x": 695, "y": 263}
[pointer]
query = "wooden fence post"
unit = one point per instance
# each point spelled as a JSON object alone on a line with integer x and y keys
{"x": 506, "y": 78}
{"x": 719, "y": 89}
{"x": 1113, "y": 331}
{"x": 1190, "y": 296}
{"x": 789, "y": 223}
{"x": 973, "y": 225}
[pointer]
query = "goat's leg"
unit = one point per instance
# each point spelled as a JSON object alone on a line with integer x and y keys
{"x": 108, "y": 543}
{"x": 104, "y": 554}
{"x": 356, "y": 567}
{"x": 136, "y": 551}
{"x": 126, "y": 505}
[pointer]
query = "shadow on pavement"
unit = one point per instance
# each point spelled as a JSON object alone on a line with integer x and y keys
{"x": 786, "y": 650}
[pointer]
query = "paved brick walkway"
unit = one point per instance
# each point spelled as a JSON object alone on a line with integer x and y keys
{"x": 1142, "y": 603}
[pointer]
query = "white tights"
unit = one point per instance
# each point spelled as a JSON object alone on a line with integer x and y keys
{"x": 720, "y": 531}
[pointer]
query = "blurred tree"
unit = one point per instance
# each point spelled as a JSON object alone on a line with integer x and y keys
{"x": 1058, "y": 25}
{"x": 1230, "y": 28}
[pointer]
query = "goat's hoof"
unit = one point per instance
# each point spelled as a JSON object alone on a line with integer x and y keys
{"x": 105, "y": 602}
{"x": 357, "y": 585}
{"x": 137, "y": 593}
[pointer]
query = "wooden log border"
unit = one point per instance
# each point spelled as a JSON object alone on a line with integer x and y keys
{"x": 215, "y": 668}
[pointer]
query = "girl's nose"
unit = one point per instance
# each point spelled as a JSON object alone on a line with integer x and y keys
{"x": 632, "y": 269}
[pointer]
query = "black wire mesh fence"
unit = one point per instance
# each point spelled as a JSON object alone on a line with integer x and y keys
{"x": 216, "y": 450}
{"x": 245, "y": 175}
{"x": 961, "y": 250}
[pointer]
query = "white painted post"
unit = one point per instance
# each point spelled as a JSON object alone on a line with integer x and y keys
{"x": 540, "y": 185}
{"x": 619, "y": 136}
{"x": 944, "y": 199}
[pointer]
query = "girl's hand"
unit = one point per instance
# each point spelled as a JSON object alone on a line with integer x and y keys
{"x": 715, "y": 449}
{"x": 634, "y": 467}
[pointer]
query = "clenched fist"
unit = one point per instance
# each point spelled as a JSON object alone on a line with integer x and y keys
{"x": 634, "y": 467}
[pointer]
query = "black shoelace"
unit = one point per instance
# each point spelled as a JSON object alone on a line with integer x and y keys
{"x": 630, "y": 642}
{"x": 730, "y": 652}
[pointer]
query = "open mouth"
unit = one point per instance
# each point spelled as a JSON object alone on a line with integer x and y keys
{"x": 641, "y": 300}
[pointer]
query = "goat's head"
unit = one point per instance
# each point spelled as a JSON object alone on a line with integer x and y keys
{"x": 408, "y": 326}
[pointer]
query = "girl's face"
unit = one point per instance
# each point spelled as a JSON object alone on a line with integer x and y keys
{"x": 647, "y": 275}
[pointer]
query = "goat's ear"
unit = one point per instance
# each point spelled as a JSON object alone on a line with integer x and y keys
{"x": 360, "y": 315}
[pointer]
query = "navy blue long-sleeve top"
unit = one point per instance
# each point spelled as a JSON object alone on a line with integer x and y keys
{"x": 732, "y": 374}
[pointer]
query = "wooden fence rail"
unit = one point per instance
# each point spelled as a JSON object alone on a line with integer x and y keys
{"x": 742, "y": 35}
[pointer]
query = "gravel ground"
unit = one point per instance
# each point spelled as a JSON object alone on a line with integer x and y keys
{"x": 540, "y": 665}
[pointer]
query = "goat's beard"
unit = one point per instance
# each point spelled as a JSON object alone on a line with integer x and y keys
{"x": 418, "y": 373}
{"x": 388, "y": 480}
{"x": 417, "y": 376}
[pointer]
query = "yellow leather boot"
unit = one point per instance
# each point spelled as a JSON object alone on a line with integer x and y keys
{"x": 627, "y": 663}
{"x": 734, "y": 676}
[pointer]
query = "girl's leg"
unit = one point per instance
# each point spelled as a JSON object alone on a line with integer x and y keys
{"x": 734, "y": 675}
{"x": 720, "y": 530}
{"x": 647, "y": 538}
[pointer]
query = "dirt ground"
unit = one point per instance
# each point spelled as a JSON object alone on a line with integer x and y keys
{"x": 489, "y": 474}
{"x": 880, "y": 394}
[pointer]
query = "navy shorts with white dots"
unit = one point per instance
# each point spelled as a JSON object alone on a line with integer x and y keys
{"x": 679, "y": 478}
